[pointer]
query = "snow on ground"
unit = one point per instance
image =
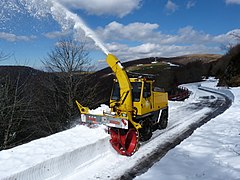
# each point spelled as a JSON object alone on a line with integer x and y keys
{"x": 182, "y": 115}
{"x": 84, "y": 153}
{"x": 34, "y": 159}
{"x": 173, "y": 65}
{"x": 212, "y": 152}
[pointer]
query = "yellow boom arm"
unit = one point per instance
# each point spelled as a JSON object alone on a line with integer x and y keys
{"x": 124, "y": 83}
{"x": 125, "y": 103}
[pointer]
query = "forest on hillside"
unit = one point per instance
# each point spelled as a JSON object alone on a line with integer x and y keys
{"x": 36, "y": 104}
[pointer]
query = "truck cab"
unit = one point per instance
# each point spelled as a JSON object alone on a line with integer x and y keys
{"x": 145, "y": 98}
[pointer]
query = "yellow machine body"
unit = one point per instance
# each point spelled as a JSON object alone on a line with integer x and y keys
{"x": 131, "y": 98}
{"x": 137, "y": 108}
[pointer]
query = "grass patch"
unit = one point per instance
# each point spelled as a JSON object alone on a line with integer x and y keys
{"x": 152, "y": 68}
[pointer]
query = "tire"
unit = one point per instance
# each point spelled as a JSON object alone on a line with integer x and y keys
{"x": 163, "y": 119}
{"x": 146, "y": 130}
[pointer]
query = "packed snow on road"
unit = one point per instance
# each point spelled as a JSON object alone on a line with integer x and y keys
{"x": 213, "y": 151}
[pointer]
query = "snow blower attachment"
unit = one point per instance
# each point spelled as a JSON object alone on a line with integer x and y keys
{"x": 137, "y": 108}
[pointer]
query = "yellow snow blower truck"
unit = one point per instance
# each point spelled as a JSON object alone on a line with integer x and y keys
{"x": 137, "y": 109}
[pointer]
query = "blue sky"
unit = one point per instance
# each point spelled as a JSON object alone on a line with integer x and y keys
{"x": 29, "y": 29}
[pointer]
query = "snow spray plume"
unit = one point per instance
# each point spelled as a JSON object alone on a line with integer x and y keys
{"x": 67, "y": 19}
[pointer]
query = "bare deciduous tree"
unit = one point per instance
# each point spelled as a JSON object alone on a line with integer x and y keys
{"x": 14, "y": 112}
{"x": 70, "y": 64}
{"x": 4, "y": 56}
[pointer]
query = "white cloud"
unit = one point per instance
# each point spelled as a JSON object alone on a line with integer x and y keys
{"x": 103, "y": 7}
{"x": 145, "y": 48}
{"x": 150, "y": 33}
{"x": 125, "y": 52}
{"x": 56, "y": 34}
{"x": 171, "y": 6}
{"x": 133, "y": 31}
{"x": 234, "y": 33}
{"x": 232, "y": 1}
{"x": 13, "y": 38}
{"x": 190, "y": 4}
{"x": 138, "y": 40}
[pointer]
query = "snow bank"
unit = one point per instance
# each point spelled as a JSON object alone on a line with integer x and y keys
{"x": 211, "y": 153}
{"x": 223, "y": 91}
{"x": 210, "y": 85}
{"x": 54, "y": 156}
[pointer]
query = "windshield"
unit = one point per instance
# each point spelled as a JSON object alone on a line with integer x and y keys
{"x": 136, "y": 91}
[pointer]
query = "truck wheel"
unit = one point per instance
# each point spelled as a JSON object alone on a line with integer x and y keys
{"x": 163, "y": 119}
{"x": 146, "y": 130}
